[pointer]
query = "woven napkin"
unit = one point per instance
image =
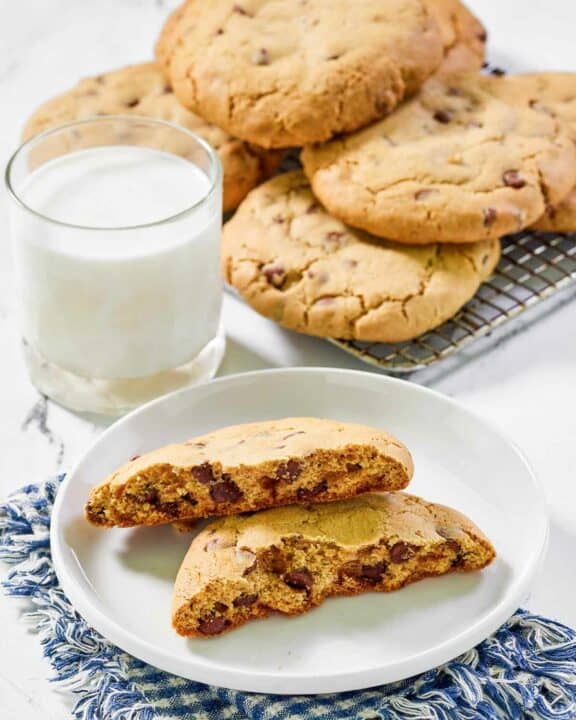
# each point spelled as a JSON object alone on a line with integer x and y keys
{"x": 527, "y": 669}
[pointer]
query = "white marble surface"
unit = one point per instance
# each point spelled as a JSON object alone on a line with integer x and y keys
{"x": 527, "y": 385}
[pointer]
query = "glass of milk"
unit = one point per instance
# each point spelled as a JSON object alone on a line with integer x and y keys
{"x": 116, "y": 226}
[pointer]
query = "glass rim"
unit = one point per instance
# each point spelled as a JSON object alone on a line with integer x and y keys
{"x": 214, "y": 159}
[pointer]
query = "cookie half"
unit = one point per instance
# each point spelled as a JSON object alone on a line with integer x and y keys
{"x": 289, "y": 560}
{"x": 249, "y": 467}
{"x": 454, "y": 164}
{"x": 285, "y": 74}
{"x": 296, "y": 264}
{"x": 142, "y": 90}
{"x": 553, "y": 94}
{"x": 463, "y": 36}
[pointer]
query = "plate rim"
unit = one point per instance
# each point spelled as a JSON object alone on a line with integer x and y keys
{"x": 267, "y": 682}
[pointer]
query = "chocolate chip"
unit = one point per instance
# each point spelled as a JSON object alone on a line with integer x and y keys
{"x": 240, "y": 10}
{"x": 132, "y": 103}
{"x": 148, "y": 494}
{"x": 225, "y": 491}
{"x": 278, "y": 219}
{"x": 334, "y": 57}
{"x": 299, "y": 579}
{"x": 400, "y": 552}
{"x": 245, "y": 600}
{"x": 373, "y": 573}
{"x": 442, "y": 116}
{"x": 277, "y": 561}
{"x": 352, "y": 569}
{"x": 220, "y": 607}
{"x": 312, "y": 208}
{"x": 261, "y": 57}
{"x": 457, "y": 548}
{"x": 268, "y": 483}
{"x": 212, "y": 625}
{"x": 220, "y": 31}
{"x": 169, "y": 508}
{"x": 353, "y": 467}
{"x": 512, "y": 179}
{"x": 499, "y": 72}
{"x": 482, "y": 35}
{"x": 453, "y": 545}
{"x": 203, "y": 473}
{"x": 275, "y": 275}
{"x": 167, "y": 90}
{"x": 490, "y": 215}
{"x": 289, "y": 471}
{"x": 309, "y": 493}
{"x": 134, "y": 457}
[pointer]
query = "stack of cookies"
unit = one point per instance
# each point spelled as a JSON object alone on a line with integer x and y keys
{"x": 309, "y": 509}
{"x": 414, "y": 164}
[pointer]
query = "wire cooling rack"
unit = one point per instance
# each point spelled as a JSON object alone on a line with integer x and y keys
{"x": 534, "y": 267}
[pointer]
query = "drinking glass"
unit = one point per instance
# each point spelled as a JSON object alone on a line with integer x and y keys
{"x": 116, "y": 224}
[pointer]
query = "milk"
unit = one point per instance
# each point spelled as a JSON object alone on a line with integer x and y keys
{"x": 110, "y": 300}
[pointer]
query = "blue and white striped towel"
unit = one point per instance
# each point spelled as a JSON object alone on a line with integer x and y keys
{"x": 527, "y": 670}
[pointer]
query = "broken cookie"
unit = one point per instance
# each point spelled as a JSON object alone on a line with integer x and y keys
{"x": 250, "y": 467}
{"x": 290, "y": 559}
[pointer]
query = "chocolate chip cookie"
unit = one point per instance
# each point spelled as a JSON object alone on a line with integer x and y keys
{"x": 142, "y": 90}
{"x": 281, "y": 74}
{"x": 553, "y": 94}
{"x": 295, "y": 263}
{"x": 289, "y": 560}
{"x": 463, "y": 36}
{"x": 249, "y": 467}
{"x": 454, "y": 164}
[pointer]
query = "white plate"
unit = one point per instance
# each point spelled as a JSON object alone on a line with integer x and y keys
{"x": 121, "y": 580}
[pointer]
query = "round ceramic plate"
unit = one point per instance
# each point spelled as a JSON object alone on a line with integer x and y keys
{"x": 121, "y": 580}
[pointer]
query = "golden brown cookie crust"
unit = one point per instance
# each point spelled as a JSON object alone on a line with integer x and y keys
{"x": 142, "y": 90}
{"x": 281, "y": 74}
{"x": 249, "y": 467}
{"x": 454, "y": 164}
{"x": 290, "y": 559}
{"x": 552, "y": 94}
{"x": 463, "y": 36}
{"x": 294, "y": 263}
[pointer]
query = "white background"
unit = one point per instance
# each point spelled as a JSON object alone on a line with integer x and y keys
{"x": 527, "y": 385}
